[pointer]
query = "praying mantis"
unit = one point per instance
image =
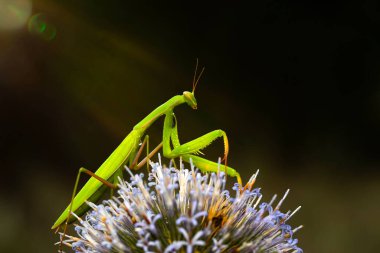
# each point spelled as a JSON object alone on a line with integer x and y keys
{"x": 128, "y": 152}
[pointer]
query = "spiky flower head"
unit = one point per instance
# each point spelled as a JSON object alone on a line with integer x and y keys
{"x": 182, "y": 210}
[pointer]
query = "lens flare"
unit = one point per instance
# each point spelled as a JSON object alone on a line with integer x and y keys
{"x": 14, "y": 13}
{"x": 38, "y": 24}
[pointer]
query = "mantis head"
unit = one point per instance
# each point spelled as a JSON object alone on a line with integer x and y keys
{"x": 190, "y": 99}
{"x": 189, "y": 96}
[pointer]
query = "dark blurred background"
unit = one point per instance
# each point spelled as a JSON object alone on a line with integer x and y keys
{"x": 296, "y": 86}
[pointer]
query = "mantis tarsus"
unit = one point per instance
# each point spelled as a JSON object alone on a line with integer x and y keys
{"x": 129, "y": 150}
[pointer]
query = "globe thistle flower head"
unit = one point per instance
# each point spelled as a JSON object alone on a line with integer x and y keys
{"x": 184, "y": 210}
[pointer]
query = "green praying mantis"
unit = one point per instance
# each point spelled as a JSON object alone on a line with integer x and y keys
{"x": 130, "y": 149}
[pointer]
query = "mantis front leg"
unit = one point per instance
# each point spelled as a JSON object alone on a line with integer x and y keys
{"x": 187, "y": 150}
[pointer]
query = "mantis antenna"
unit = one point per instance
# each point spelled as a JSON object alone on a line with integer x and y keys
{"x": 195, "y": 82}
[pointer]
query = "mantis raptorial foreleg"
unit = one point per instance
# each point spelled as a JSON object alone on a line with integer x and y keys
{"x": 187, "y": 150}
{"x": 194, "y": 146}
{"x": 191, "y": 147}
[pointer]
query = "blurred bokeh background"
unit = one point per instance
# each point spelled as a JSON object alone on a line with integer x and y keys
{"x": 296, "y": 87}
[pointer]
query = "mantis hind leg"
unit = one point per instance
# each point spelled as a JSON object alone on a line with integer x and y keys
{"x": 106, "y": 184}
{"x": 84, "y": 207}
